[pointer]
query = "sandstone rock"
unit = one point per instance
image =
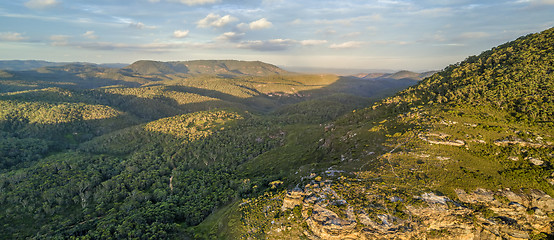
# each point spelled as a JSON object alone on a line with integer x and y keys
{"x": 440, "y": 138}
{"x": 292, "y": 199}
{"x": 535, "y": 161}
{"x": 326, "y": 224}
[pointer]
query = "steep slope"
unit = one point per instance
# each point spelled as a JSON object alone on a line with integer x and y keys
{"x": 465, "y": 154}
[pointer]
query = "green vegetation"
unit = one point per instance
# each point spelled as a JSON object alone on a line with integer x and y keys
{"x": 208, "y": 149}
{"x": 150, "y": 150}
{"x": 483, "y": 123}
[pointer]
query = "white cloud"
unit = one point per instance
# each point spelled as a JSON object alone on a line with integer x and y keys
{"x": 139, "y": 25}
{"x": 345, "y": 45}
{"x": 41, "y": 4}
{"x": 268, "y": 45}
{"x": 215, "y": 20}
{"x": 326, "y": 31}
{"x": 230, "y": 36}
{"x": 59, "y": 40}
{"x": 391, "y": 42}
{"x": 196, "y": 2}
{"x": 473, "y": 35}
{"x": 537, "y": 2}
{"x": 180, "y": 33}
{"x": 12, "y": 37}
{"x": 350, "y": 21}
{"x": 312, "y": 42}
{"x": 434, "y": 12}
{"x": 156, "y": 47}
{"x": 351, "y": 35}
{"x": 296, "y": 22}
{"x": 89, "y": 35}
{"x": 243, "y": 27}
{"x": 260, "y": 24}
{"x": 546, "y": 2}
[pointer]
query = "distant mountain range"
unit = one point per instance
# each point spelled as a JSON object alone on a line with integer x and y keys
{"x": 203, "y": 67}
{"x": 24, "y": 65}
{"x": 211, "y": 67}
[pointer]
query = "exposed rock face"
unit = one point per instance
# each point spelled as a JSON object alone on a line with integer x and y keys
{"x": 520, "y": 142}
{"x": 326, "y": 224}
{"x": 441, "y": 138}
{"x": 293, "y": 199}
{"x": 508, "y": 215}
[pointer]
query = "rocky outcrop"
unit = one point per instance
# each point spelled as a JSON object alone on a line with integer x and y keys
{"x": 326, "y": 224}
{"x": 516, "y": 141}
{"x": 292, "y": 199}
{"x": 441, "y": 138}
{"x": 479, "y": 214}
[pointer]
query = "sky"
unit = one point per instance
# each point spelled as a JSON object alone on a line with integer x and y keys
{"x": 371, "y": 34}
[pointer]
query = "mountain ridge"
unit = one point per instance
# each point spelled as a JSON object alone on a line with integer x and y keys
{"x": 217, "y": 67}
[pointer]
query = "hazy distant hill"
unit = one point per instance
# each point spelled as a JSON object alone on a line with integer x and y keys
{"x": 397, "y": 75}
{"x": 24, "y": 65}
{"x": 206, "y": 67}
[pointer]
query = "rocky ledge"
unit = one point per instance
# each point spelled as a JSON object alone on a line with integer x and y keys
{"x": 479, "y": 214}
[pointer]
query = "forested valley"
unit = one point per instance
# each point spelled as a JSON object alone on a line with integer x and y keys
{"x": 246, "y": 150}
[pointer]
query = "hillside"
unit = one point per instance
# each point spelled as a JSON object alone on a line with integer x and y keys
{"x": 464, "y": 154}
{"x": 243, "y": 150}
{"x": 92, "y": 152}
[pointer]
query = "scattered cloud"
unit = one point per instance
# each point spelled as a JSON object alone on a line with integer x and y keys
{"x": 260, "y": 24}
{"x": 296, "y": 22}
{"x": 230, "y": 36}
{"x": 312, "y": 42}
{"x": 351, "y": 35}
{"x": 473, "y": 35}
{"x": 243, "y": 27}
{"x": 346, "y": 45}
{"x": 41, "y": 4}
{"x": 139, "y": 25}
{"x": 545, "y": 2}
{"x": 371, "y": 28}
{"x": 196, "y": 2}
{"x": 350, "y": 21}
{"x": 157, "y": 47}
{"x": 12, "y": 37}
{"x": 435, "y": 12}
{"x": 268, "y": 45}
{"x": 391, "y": 42}
{"x": 327, "y": 31}
{"x": 180, "y": 33}
{"x": 59, "y": 40}
{"x": 537, "y": 2}
{"x": 90, "y": 35}
{"x": 215, "y": 20}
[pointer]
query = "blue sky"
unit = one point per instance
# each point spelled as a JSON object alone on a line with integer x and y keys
{"x": 371, "y": 34}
